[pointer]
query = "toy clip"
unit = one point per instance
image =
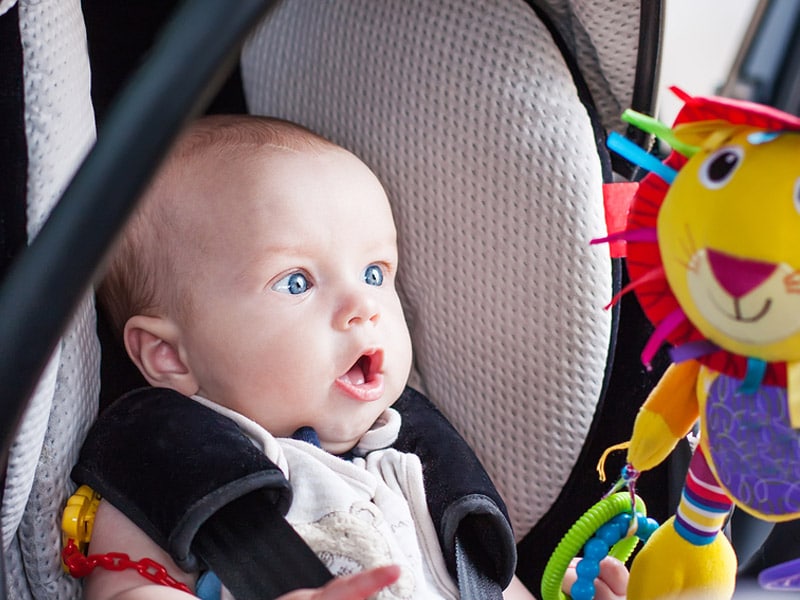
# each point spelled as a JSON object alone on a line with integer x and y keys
{"x": 78, "y": 518}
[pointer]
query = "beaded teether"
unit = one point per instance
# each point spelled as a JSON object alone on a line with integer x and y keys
{"x": 612, "y": 527}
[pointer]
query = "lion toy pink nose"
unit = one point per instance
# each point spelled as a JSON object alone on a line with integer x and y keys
{"x": 738, "y": 276}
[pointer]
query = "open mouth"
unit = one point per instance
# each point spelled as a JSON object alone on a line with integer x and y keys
{"x": 364, "y": 380}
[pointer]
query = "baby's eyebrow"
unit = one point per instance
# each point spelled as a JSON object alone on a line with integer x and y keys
{"x": 267, "y": 250}
{"x": 254, "y": 261}
{"x": 382, "y": 247}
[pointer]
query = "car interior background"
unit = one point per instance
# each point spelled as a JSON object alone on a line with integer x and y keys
{"x": 487, "y": 123}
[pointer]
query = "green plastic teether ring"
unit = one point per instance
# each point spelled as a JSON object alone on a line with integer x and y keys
{"x": 580, "y": 533}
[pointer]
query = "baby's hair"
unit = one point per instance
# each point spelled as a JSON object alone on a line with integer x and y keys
{"x": 144, "y": 257}
{"x": 237, "y": 133}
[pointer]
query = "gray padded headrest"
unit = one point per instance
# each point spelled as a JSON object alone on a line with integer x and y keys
{"x": 468, "y": 113}
{"x": 603, "y": 36}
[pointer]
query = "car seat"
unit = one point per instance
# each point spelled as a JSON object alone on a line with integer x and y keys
{"x": 486, "y": 121}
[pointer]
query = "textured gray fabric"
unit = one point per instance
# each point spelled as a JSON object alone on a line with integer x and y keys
{"x": 59, "y": 124}
{"x": 604, "y": 38}
{"x": 468, "y": 114}
{"x": 73, "y": 410}
{"x": 16, "y": 579}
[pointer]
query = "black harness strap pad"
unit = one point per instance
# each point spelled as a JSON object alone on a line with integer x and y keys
{"x": 256, "y": 553}
{"x": 469, "y": 514}
{"x": 194, "y": 483}
{"x": 169, "y": 464}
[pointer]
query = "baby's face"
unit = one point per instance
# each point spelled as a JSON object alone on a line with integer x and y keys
{"x": 295, "y": 318}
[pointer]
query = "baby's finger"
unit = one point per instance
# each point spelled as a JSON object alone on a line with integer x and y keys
{"x": 570, "y": 576}
{"x": 611, "y": 584}
{"x": 614, "y": 575}
{"x": 359, "y": 586}
{"x": 603, "y": 592}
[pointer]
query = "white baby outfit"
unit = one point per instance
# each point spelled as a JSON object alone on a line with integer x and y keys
{"x": 361, "y": 513}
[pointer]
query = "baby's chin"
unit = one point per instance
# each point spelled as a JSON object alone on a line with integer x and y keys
{"x": 341, "y": 428}
{"x": 342, "y": 437}
{"x": 338, "y": 447}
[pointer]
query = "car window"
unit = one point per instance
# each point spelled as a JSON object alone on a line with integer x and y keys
{"x": 702, "y": 41}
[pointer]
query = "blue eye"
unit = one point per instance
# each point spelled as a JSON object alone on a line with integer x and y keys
{"x": 294, "y": 283}
{"x": 373, "y": 275}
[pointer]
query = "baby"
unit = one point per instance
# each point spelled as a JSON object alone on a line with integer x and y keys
{"x": 258, "y": 278}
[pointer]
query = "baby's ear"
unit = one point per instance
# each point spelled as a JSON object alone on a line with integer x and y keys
{"x": 153, "y": 344}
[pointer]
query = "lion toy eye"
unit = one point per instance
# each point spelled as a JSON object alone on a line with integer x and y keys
{"x": 718, "y": 168}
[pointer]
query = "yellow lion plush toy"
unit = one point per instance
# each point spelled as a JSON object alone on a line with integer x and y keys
{"x": 713, "y": 253}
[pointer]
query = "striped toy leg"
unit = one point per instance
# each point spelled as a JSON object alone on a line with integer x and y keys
{"x": 704, "y": 505}
{"x": 687, "y": 557}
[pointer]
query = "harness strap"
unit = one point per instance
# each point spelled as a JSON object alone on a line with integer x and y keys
{"x": 192, "y": 481}
{"x": 255, "y": 552}
{"x": 473, "y": 582}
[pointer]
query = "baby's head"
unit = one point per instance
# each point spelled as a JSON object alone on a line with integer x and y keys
{"x": 259, "y": 272}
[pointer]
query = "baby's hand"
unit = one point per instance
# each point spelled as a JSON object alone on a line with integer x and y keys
{"x": 358, "y": 586}
{"x": 611, "y": 584}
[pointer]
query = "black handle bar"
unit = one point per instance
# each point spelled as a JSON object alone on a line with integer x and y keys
{"x": 187, "y": 64}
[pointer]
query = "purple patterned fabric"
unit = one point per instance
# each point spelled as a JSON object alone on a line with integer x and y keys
{"x": 753, "y": 447}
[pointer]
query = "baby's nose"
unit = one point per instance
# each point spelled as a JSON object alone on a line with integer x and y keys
{"x": 356, "y": 308}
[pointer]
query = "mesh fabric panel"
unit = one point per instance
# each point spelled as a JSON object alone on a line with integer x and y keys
{"x": 604, "y": 38}
{"x": 59, "y": 127}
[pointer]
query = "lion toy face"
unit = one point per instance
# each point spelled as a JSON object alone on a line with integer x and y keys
{"x": 729, "y": 237}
